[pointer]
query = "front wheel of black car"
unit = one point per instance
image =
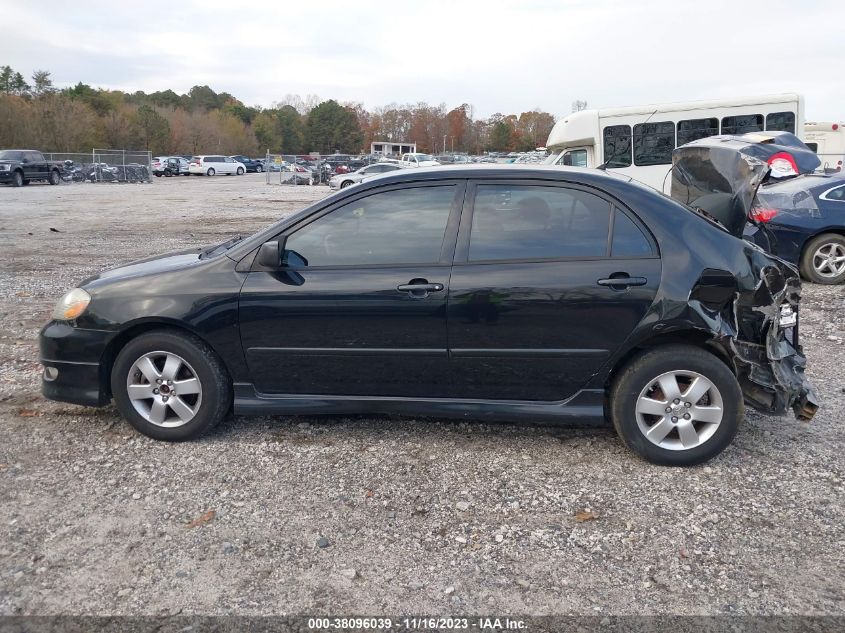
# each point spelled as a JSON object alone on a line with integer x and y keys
{"x": 170, "y": 386}
{"x": 17, "y": 179}
{"x": 823, "y": 261}
{"x": 676, "y": 405}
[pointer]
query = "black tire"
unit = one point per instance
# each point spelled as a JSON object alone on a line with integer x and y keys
{"x": 345, "y": 184}
{"x": 167, "y": 173}
{"x": 17, "y": 179}
{"x": 808, "y": 269}
{"x": 26, "y": 182}
{"x": 240, "y": 171}
{"x": 54, "y": 178}
{"x": 259, "y": 169}
{"x": 214, "y": 380}
{"x": 642, "y": 371}
{"x": 210, "y": 171}
{"x": 158, "y": 175}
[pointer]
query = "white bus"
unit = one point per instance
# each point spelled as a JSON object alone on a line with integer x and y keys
{"x": 828, "y": 141}
{"x": 638, "y": 141}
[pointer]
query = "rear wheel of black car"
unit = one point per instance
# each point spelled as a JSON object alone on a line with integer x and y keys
{"x": 170, "y": 386}
{"x": 17, "y": 179}
{"x": 54, "y": 179}
{"x": 823, "y": 260}
{"x": 259, "y": 169}
{"x": 676, "y": 405}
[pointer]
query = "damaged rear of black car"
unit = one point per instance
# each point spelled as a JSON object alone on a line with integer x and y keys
{"x": 719, "y": 177}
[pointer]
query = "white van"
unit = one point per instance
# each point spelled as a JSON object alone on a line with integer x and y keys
{"x": 827, "y": 139}
{"x": 637, "y": 141}
{"x": 211, "y": 165}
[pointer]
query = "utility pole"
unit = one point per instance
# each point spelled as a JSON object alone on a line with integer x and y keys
{"x": 444, "y": 143}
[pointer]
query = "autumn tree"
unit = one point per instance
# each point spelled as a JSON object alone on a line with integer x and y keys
{"x": 154, "y": 130}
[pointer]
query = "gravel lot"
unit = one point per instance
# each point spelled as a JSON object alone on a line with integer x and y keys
{"x": 378, "y": 515}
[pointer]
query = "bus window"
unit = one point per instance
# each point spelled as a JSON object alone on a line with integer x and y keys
{"x": 575, "y": 158}
{"x": 617, "y": 146}
{"x": 653, "y": 143}
{"x": 694, "y": 129}
{"x": 742, "y": 123}
{"x": 781, "y": 122}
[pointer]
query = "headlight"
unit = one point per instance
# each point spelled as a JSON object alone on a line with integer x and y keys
{"x": 4, "y": 168}
{"x": 72, "y": 305}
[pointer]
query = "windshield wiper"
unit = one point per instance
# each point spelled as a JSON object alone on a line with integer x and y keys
{"x": 219, "y": 248}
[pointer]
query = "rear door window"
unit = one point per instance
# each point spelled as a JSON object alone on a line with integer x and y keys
{"x": 537, "y": 222}
{"x": 653, "y": 143}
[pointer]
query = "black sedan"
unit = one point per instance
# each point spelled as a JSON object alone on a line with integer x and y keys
{"x": 485, "y": 292}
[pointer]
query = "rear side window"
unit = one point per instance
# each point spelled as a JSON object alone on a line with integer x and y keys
{"x": 781, "y": 122}
{"x": 694, "y": 129}
{"x": 628, "y": 239}
{"x": 537, "y": 222}
{"x": 742, "y": 123}
{"x": 617, "y": 146}
{"x": 653, "y": 143}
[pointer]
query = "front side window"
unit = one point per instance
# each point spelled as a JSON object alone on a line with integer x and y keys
{"x": 537, "y": 222}
{"x": 575, "y": 158}
{"x": 617, "y": 146}
{"x": 404, "y": 226}
{"x": 742, "y": 123}
{"x": 694, "y": 129}
{"x": 653, "y": 143}
{"x": 780, "y": 122}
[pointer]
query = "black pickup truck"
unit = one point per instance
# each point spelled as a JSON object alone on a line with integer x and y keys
{"x": 22, "y": 166}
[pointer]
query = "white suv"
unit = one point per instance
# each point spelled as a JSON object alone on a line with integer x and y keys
{"x": 213, "y": 164}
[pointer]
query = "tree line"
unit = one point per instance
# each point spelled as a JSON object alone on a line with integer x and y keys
{"x": 35, "y": 114}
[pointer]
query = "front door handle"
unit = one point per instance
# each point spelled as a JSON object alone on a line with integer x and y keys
{"x": 620, "y": 281}
{"x": 419, "y": 288}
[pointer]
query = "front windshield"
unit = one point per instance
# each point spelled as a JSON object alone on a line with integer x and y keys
{"x": 552, "y": 158}
{"x": 10, "y": 155}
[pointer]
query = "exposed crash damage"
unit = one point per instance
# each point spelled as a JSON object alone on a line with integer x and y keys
{"x": 751, "y": 310}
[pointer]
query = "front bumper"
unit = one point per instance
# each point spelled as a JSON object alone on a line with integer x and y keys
{"x": 73, "y": 367}
{"x": 6, "y": 176}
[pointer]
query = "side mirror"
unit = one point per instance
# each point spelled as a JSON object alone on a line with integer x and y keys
{"x": 270, "y": 254}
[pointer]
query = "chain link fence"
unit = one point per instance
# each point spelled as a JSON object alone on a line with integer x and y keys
{"x": 104, "y": 165}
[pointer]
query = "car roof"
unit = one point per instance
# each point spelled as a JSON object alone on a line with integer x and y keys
{"x": 595, "y": 177}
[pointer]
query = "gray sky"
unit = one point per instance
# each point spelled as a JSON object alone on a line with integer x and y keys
{"x": 499, "y": 56}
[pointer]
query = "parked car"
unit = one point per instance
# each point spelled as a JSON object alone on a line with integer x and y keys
{"x": 417, "y": 160}
{"x": 252, "y": 165}
{"x": 490, "y": 292}
{"x": 20, "y": 167}
{"x": 803, "y": 221}
{"x": 170, "y": 166}
{"x": 341, "y": 181}
{"x": 211, "y": 165}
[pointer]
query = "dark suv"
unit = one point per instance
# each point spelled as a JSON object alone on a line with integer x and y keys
{"x": 485, "y": 292}
{"x": 252, "y": 165}
{"x": 22, "y": 166}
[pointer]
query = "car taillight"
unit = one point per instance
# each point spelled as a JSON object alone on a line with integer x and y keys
{"x": 782, "y": 165}
{"x": 760, "y": 214}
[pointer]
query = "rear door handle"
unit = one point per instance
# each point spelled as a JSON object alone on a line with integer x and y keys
{"x": 619, "y": 283}
{"x": 419, "y": 287}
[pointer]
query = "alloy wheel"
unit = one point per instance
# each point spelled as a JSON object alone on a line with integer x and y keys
{"x": 164, "y": 389}
{"x": 679, "y": 410}
{"x": 829, "y": 260}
